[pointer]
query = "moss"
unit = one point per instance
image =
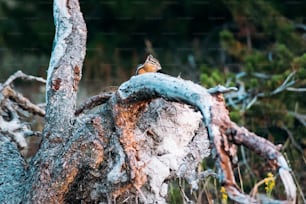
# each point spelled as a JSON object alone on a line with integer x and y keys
{"x": 299, "y": 62}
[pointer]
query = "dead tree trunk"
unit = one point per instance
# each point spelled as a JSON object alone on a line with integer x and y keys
{"x": 152, "y": 129}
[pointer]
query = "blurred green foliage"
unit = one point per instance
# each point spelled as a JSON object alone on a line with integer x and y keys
{"x": 265, "y": 50}
{"x": 254, "y": 45}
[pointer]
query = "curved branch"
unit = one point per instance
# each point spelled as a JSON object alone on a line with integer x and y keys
{"x": 93, "y": 102}
{"x": 270, "y": 152}
{"x": 20, "y": 74}
{"x": 22, "y": 101}
{"x": 153, "y": 85}
{"x": 221, "y": 130}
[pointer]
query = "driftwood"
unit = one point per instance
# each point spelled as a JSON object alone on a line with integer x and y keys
{"x": 152, "y": 129}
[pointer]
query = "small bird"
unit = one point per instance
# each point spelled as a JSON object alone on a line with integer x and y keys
{"x": 150, "y": 65}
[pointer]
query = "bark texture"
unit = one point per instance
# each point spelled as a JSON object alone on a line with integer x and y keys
{"x": 154, "y": 128}
{"x": 51, "y": 174}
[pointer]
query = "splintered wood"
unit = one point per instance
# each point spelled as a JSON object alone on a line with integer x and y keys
{"x": 126, "y": 119}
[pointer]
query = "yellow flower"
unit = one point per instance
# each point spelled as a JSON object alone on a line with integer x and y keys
{"x": 224, "y": 195}
{"x": 269, "y": 183}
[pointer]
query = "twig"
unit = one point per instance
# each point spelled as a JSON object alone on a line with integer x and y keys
{"x": 269, "y": 151}
{"x": 300, "y": 26}
{"x": 221, "y": 89}
{"x": 13, "y": 128}
{"x": 296, "y": 89}
{"x": 261, "y": 75}
{"x": 250, "y": 102}
{"x": 93, "y": 102}
{"x": 240, "y": 179}
{"x": 204, "y": 174}
{"x": 186, "y": 199}
{"x": 300, "y": 117}
{"x": 296, "y": 181}
{"x": 289, "y": 133}
{"x": 255, "y": 188}
{"x": 285, "y": 84}
{"x": 20, "y": 74}
{"x": 23, "y": 102}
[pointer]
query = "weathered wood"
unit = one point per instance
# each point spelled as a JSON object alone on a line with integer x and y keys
{"x": 137, "y": 140}
{"x": 12, "y": 172}
{"x": 50, "y": 174}
{"x": 65, "y": 69}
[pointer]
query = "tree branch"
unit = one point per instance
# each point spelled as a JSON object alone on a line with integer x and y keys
{"x": 65, "y": 67}
{"x": 64, "y": 74}
{"x": 153, "y": 85}
{"x": 223, "y": 133}
{"x": 20, "y": 74}
{"x": 132, "y": 131}
{"x": 22, "y": 101}
{"x": 93, "y": 102}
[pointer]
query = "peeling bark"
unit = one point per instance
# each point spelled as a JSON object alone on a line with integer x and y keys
{"x": 52, "y": 173}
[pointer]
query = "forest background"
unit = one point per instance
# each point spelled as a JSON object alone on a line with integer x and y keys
{"x": 258, "y": 46}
